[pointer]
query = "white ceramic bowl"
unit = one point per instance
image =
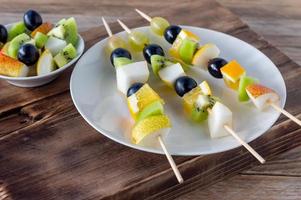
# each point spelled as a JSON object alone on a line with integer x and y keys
{"x": 34, "y": 81}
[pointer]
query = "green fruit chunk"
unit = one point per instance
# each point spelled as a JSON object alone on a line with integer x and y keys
{"x": 199, "y": 114}
{"x": 60, "y": 60}
{"x": 71, "y": 31}
{"x": 40, "y": 39}
{"x": 155, "y": 108}
{"x": 65, "y": 56}
{"x": 69, "y": 52}
{"x": 158, "y": 25}
{"x": 58, "y": 32}
{"x": 243, "y": 83}
{"x": 121, "y": 61}
{"x": 61, "y": 22}
{"x": 158, "y": 62}
{"x": 16, "y": 29}
{"x": 187, "y": 50}
{"x": 16, "y": 43}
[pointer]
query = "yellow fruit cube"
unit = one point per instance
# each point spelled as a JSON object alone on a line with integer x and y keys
{"x": 232, "y": 72}
{"x": 184, "y": 34}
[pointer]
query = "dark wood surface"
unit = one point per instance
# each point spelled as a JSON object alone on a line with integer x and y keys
{"x": 47, "y": 151}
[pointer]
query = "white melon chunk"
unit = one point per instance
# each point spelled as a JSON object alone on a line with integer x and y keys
{"x": 219, "y": 116}
{"x": 170, "y": 73}
{"x": 204, "y": 54}
{"x": 55, "y": 45}
{"x": 131, "y": 73}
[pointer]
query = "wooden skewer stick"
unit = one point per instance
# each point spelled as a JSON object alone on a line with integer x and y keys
{"x": 243, "y": 143}
{"x": 124, "y": 26}
{"x": 290, "y": 116}
{"x": 145, "y": 16}
{"x": 161, "y": 142}
{"x": 171, "y": 161}
{"x": 108, "y": 29}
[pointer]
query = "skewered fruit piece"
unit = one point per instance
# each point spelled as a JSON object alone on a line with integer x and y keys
{"x": 146, "y": 131}
{"x": 261, "y": 96}
{"x": 16, "y": 29}
{"x": 138, "y": 40}
{"x": 3, "y": 34}
{"x": 150, "y": 50}
{"x": 4, "y": 49}
{"x": 55, "y": 45}
{"x": 171, "y": 33}
{"x": 205, "y": 88}
{"x": 128, "y": 74}
{"x": 199, "y": 114}
{"x": 215, "y": 65}
{"x": 184, "y": 84}
{"x": 120, "y": 52}
{"x": 202, "y": 57}
{"x": 243, "y": 83}
{"x": 159, "y": 62}
{"x": 16, "y": 43}
{"x": 115, "y": 42}
{"x": 134, "y": 88}
{"x": 45, "y": 63}
{"x": 12, "y": 67}
{"x": 153, "y": 109}
{"x": 187, "y": 50}
{"x": 170, "y": 73}
{"x": 232, "y": 72}
{"x": 183, "y": 35}
{"x": 32, "y": 19}
{"x": 120, "y": 61}
{"x": 142, "y": 98}
{"x": 158, "y": 25}
{"x": 40, "y": 39}
{"x": 219, "y": 116}
{"x": 65, "y": 56}
{"x": 43, "y": 28}
{"x": 28, "y": 54}
{"x": 191, "y": 97}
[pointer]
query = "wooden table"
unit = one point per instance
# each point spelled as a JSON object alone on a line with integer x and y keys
{"x": 47, "y": 151}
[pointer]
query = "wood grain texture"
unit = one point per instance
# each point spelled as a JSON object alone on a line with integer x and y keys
{"x": 47, "y": 151}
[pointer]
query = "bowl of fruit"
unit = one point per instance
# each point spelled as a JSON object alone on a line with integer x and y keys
{"x": 34, "y": 52}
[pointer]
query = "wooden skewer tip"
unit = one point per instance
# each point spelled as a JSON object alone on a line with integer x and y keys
{"x": 145, "y": 16}
{"x": 124, "y": 26}
{"x": 107, "y": 27}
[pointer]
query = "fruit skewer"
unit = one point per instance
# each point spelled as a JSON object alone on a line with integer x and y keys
{"x": 220, "y": 116}
{"x": 132, "y": 89}
{"x": 207, "y": 56}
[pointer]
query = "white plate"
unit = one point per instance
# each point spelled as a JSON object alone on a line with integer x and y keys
{"x": 94, "y": 93}
{"x": 34, "y": 81}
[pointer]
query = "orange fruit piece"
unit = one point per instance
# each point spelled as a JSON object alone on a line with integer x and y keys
{"x": 232, "y": 72}
{"x": 43, "y": 28}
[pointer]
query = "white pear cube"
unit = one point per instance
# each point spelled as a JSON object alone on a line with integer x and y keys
{"x": 55, "y": 45}
{"x": 127, "y": 75}
{"x": 204, "y": 54}
{"x": 219, "y": 116}
{"x": 45, "y": 63}
{"x": 170, "y": 73}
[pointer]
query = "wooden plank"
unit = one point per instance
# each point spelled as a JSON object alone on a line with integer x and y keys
{"x": 250, "y": 187}
{"x": 56, "y": 155}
